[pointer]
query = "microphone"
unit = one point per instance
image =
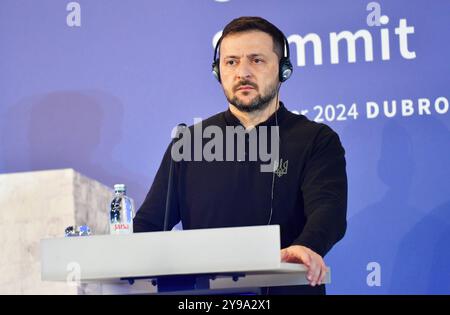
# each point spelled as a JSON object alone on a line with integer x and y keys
{"x": 180, "y": 127}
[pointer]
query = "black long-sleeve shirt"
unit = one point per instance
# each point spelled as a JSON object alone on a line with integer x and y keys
{"x": 309, "y": 201}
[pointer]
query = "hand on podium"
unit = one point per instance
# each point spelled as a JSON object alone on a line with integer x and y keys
{"x": 313, "y": 261}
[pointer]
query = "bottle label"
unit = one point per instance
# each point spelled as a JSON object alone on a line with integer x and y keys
{"x": 120, "y": 228}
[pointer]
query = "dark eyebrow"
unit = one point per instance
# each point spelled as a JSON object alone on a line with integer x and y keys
{"x": 231, "y": 56}
{"x": 251, "y": 56}
{"x": 257, "y": 55}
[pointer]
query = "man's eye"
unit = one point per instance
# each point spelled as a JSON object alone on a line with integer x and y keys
{"x": 257, "y": 60}
{"x": 231, "y": 62}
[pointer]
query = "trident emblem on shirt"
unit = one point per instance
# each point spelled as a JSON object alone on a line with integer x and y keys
{"x": 281, "y": 168}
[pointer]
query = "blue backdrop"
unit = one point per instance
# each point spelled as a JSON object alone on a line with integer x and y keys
{"x": 99, "y": 85}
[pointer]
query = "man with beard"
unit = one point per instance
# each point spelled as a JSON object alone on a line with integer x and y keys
{"x": 306, "y": 195}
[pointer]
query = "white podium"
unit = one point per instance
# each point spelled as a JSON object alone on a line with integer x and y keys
{"x": 206, "y": 261}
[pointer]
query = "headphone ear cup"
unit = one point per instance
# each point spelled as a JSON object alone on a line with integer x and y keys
{"x": 285, "y": 70}
{"x": 215, "y": 70}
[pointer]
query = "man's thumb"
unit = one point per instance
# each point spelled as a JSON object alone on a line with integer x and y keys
{"x": 284, "y": 255}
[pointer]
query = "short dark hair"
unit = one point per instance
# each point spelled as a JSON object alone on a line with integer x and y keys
{"x": 256, "y": 23}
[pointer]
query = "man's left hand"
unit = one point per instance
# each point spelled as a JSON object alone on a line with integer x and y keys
{"x": 313, "y": 261}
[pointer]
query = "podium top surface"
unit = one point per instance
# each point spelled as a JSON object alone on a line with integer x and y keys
{"x": 254, "y": 249}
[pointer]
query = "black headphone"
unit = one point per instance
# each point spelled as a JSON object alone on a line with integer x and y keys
{"x": 285, "y": 65}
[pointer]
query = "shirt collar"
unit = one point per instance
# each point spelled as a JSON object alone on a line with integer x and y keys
{"x": 281, "y": 112}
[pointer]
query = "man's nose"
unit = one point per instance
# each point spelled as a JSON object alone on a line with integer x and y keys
{"x": 243, "y": 71}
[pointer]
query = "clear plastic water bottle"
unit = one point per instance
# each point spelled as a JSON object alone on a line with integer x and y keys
{"x": 122, "y": 211}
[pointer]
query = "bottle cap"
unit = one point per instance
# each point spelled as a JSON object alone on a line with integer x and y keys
{"x": 120, "y": 187}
